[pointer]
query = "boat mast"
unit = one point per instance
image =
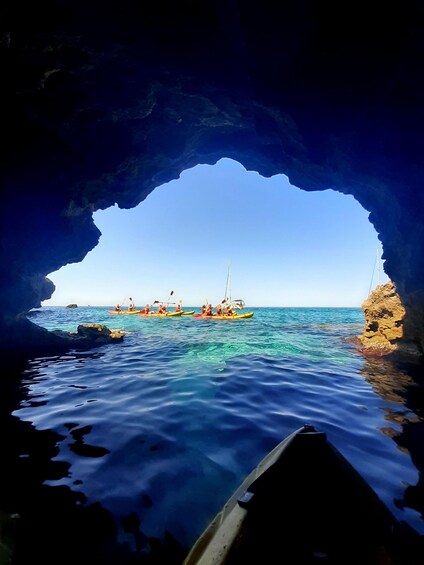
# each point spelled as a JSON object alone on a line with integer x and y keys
{"x": 228, "y": 284}
{"x": 376, "y": 267}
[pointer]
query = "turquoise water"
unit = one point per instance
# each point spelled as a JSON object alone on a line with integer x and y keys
{"x": 164, "y": 426}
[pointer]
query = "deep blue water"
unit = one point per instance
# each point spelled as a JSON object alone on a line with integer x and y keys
{"x": 167, "y": 424}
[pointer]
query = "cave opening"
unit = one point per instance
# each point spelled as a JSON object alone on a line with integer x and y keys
{"x": 286, "y": 246}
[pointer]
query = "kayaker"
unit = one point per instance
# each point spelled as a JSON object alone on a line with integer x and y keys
{"x": 118, "y": 308}
{"x": 218, "y": 309}
{"x": 131, "y": 306}
{"x": 208, "y": 311}
{"x": 162, "y": 309}
{"x": 146, "y": 309}
{"x": 228, "y": 310}
{"x": 178, "y": 308}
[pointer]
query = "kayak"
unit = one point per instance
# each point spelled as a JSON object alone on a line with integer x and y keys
{"x": 305, "y": 504}
{"x": 224, "y": 317}
{"x": 124, "y": 312}
{"x": 156, "y": 315}
{"x": 188, "y": 313}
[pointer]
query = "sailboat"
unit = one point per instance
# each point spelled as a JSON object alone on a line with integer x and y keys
{"x": 228, "y": 304}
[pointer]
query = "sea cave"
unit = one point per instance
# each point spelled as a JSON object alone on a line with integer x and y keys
{"x": 104, "y": 103}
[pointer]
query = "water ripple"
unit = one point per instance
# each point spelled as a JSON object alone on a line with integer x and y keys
{"x": 180, "y": 411}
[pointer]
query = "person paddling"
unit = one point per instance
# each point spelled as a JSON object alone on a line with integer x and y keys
{"x": 228, "y": 310}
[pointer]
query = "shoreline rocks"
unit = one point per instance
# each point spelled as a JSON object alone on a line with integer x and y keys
{"x": 91, "y": 335}
{"x": 29, "y": 338}
{"x": 384, "y": 331}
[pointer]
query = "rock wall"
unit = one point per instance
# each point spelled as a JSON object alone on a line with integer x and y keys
{"x": 384, "y": 330}
{"x": 101, "y": 104}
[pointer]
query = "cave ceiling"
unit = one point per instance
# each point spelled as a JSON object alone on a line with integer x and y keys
{"x": 103, "y": 102}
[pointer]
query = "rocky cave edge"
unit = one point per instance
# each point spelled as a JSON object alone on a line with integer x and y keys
{"x": 104, "y": 102}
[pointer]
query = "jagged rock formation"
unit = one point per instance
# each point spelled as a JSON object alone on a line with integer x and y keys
{"x": 32, "y": 339}
{"x": 89, "y": 335}
{"x": 384, "y": 315}
{"x": 384, "y": 330}
{"x": 106, "y": 103}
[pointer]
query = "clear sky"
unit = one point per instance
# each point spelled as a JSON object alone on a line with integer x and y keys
{"x": 286, "y": 247}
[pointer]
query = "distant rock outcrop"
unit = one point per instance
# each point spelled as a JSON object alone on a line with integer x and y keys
{"x": 72, "y": 306}
{"x": 91, "y": 335}
{"x": 384, "y": 330}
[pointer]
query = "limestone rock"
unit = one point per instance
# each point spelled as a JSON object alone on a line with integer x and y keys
{"x": 99, "y": 332}
{"x": 27, "y": 337}
{"x": 384, "y": 330}
{"x": 92, "y": 335}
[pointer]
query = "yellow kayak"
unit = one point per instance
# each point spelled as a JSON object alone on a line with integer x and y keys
{"x": 124, "y": 312}
{"x": 156, "y": 315}
{"x": 225, "y": 317}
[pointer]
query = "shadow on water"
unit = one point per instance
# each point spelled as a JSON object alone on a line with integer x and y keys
{"x": 46, "y": 524}
{"x": 403, "y": 384}
{"x": 53, "y": 524}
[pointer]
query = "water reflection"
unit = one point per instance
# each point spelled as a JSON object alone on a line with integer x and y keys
{"x": 53, "y": 524}
{"x": 255, "y": 399}
{"x": 402, "y": 384}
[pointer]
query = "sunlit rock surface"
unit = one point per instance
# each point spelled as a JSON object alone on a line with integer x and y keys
{"x": 384, "y": 330}
{"x": 29, "y": 338}
{"x": 101, "y": 103}
{"x": 384, "y": 315}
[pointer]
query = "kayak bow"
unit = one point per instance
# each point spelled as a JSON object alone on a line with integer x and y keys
{"x": 305, "y": 504}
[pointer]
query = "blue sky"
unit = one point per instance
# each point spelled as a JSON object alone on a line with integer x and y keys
{"x": 286, "y": 247}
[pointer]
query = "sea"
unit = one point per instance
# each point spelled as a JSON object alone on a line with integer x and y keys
{"x": 125, "y": 452}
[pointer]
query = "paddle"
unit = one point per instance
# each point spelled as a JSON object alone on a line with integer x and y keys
{"x": 120, "y": 303}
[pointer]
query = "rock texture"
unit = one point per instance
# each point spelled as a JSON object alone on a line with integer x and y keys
{"x": 101, "y": 104}
{"x": 384, "y": 330}
{"x": 384, "y": 315}
{"x": 91, "y": 335}
{"x": 28, "y": 338}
